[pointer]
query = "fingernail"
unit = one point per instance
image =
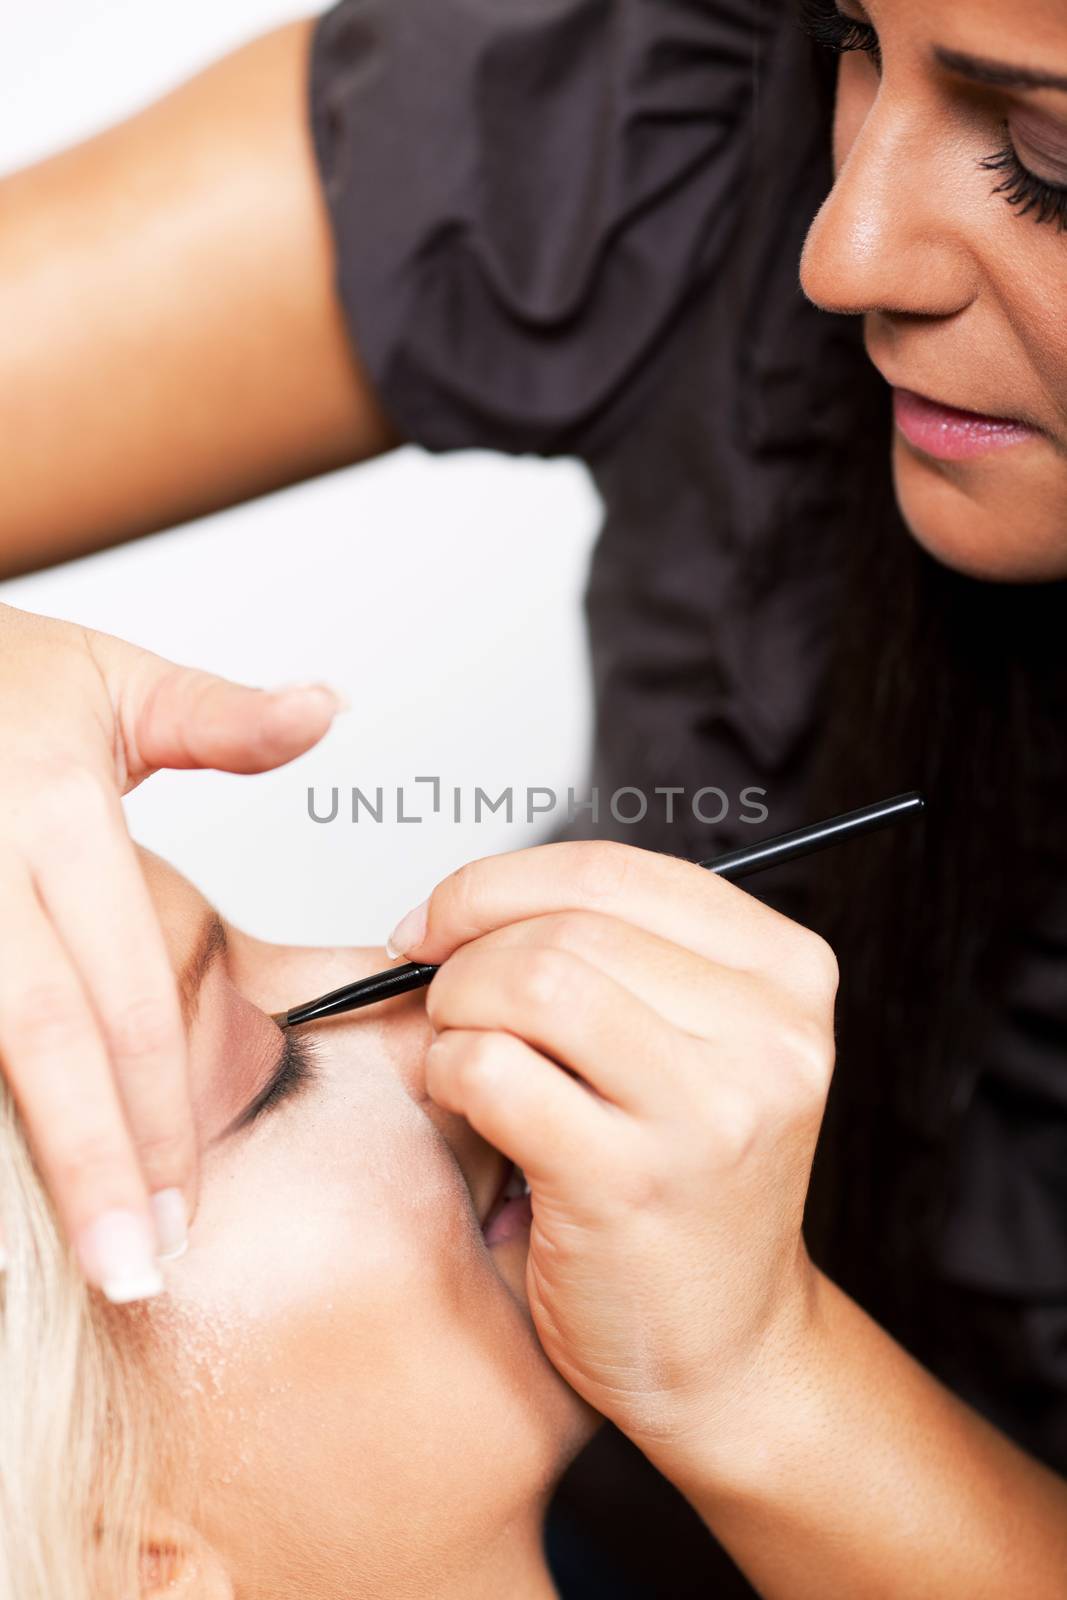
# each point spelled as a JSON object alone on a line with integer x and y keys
{"x": 409, "y": 932}
{"x": 172, "y": 1224}
{"x": 118, "y": 1254}
{"x": 287, "y": 690}
{"x": 4, "y": 1259}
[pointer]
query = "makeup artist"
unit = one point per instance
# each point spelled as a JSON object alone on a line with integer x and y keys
{"x": 574, "y": 227}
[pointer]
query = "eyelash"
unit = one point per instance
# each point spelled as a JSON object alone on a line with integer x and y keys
{"x": 1021, "y": 188}
{"x": 821, "y": 21}
{"x": 298, "y": 1068}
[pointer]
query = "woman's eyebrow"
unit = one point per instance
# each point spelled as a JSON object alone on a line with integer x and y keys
{"x": 210, "y": 945}
{"x": 998, "y": 74}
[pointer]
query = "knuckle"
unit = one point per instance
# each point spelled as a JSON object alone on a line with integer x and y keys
{"x": 89, "y": 1163}
{"x": 807, "y": 1056}
{"x": 574, "y": 932}
{"x": 459, "y": 1067}
{"x": 478, "y": 1060}
{"x": 455, "y": 903}
{"x": 544, "y": 979}
{"x": 44, "y": 1017}
{"x": 141, "y": 1030}
{"x": 816, "y": 964}
{"x": 601, "y": 870}
{"x": 438, "y": 1066}
{"x": 739, "y": 1124}
{"x": 799, "y": 1064}
{"x": 440, "y": 994}
{"x": 168, "y": 1154}
{"x": 646, "y": 1181}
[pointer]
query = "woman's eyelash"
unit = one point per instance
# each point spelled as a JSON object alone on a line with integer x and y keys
{"x": 1021, "y": 188}
{"x": 1046, "y": 202}
{"x": 297, "y": 1068}
{"x": 821, "y": 21}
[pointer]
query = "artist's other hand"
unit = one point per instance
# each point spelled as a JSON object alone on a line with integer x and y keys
{"x": 92, "y": 1042}
{"x": 653, "y": 1047}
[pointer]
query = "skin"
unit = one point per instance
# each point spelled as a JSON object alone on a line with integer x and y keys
{"x": 362, "y": 1401}
{"x": 962, "y": 299}
{"x": 654, "y": 1048}
{"x": 171, "y": 332}
{"x": 85, "y": 976}
{"x": 667, "y": 1138}
{"x": 195, "y": 231}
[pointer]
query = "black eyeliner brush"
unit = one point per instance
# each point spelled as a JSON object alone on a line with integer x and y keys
{"x": 735, "y": 864}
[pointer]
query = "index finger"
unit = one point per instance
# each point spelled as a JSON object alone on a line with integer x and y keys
{"x": 116, "y": 944}
{"x": 674, "y": 899}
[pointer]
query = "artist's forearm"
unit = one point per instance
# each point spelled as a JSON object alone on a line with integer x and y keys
{"x": 852, "y": 1472}
{"x": 170, "y": 341}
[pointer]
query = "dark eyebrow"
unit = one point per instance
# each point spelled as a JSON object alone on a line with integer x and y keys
{"x": 210, "y": 944}
{"x": 998, "y": 74}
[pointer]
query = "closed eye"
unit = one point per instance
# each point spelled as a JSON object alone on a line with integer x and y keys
{"x": 295, "y": 1069}
{"x": 823, "y": 22}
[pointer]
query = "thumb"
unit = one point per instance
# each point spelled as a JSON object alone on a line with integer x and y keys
{"x": 173, "y": 716}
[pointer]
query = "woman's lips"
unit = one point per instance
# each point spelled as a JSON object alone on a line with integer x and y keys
{"x": 510, "y": 1212}
{"x": 953, "y": 435}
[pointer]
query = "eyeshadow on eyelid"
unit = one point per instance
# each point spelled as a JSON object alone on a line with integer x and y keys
{"x": 293, "y": 1072}
{"x": 234, "y": 1048}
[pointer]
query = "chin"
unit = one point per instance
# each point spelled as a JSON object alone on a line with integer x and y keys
{"x": 997, "y": 519}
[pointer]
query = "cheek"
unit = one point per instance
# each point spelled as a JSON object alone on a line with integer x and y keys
{"x": 1034, "y": 293}
{"x": 1004, "y": 518}
{"x": 332, "y": 1332}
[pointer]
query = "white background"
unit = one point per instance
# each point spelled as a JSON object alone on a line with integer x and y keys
{"x": 442, "y": 595}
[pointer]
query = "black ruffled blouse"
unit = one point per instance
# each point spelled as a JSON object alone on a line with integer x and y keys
{"x": 573, "y": 227}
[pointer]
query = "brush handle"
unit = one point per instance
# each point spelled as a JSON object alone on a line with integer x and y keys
{"x": 817, "y": 836}
{"x": 734, "y": 864}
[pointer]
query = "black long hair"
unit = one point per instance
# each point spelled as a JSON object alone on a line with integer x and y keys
{"x": 959, "y": 687}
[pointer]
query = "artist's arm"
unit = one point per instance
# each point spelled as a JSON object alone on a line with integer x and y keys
{"x": 841, "y": 1468}
{"x": 171, "y": 338}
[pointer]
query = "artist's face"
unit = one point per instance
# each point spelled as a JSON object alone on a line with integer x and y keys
{"x": 964, "y": 297}
{"x": 353, "y": 1365}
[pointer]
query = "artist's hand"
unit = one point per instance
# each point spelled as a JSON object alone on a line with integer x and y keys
{"x": 653, "y": 1047}
{"x": 92, "y": 1043}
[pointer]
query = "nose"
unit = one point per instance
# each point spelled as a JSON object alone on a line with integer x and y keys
{"x": 891, "y": 235}
{"x": 406, "y": 1035}
{"x": 397, "y": 1030}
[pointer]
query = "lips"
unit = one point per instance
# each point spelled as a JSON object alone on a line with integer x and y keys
{"x": 486, "y": 1208}
{"x": 951, "y": 434}
{"x": 512, "y": 1187}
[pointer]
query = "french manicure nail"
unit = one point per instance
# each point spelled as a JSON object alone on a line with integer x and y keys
{"x": 172, "y": 1224}
{"x": 408, "y": 933}
{"x": 341, "y": 702}
{"x": 117, "y": 1252}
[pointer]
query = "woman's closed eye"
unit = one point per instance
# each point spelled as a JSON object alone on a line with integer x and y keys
{"x": 823, "y": 22}
{"x": 295, "y": 1069}
{"x": 1042, "y": 198}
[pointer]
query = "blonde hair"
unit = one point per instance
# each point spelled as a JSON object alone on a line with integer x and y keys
{"x": 76, "y": 1434}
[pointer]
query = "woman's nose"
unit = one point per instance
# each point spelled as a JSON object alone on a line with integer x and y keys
{"x": 891, "y": 235}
